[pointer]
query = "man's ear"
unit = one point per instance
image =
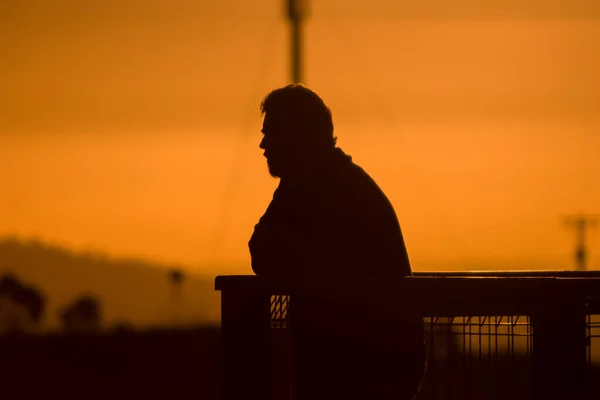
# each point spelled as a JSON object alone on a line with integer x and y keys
{"x": 297, "y": 135}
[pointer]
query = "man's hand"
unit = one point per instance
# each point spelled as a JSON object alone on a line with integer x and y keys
{"x": 262, "y": 237}
{"x": 270, "y": 254}
{"x": 275, "y": 238}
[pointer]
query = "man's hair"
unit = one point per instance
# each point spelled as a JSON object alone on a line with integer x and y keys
{"x": 298, "y": 107}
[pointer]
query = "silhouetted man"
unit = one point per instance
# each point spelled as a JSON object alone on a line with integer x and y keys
{"x": 328, "y": 218}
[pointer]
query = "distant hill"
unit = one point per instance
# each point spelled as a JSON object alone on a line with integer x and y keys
{"x": 135, "y": 291}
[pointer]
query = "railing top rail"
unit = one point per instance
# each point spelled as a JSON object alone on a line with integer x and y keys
{"x": 513, "y": 273}
{"x": 235, "y": 280}
{"x": 456, "y": 285}
{"x": 440, "y": 295}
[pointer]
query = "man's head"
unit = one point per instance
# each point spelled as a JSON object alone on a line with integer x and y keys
{"x": 297, "y": 127}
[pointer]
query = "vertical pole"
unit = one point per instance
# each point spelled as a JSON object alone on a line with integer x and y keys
{"x": 580, "y": 253}
{"x": 559, "y": 346}
{"x": 245, "y": 324}
{"x": 296, "y": 52}
{"x": 580, "y": 223}
{"x": 296, "y": 14}
{"x": 176, "y": 277}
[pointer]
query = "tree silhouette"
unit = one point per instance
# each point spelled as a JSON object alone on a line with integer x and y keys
{"x": 84, "y": 315}
{"x": 21, "y": 306}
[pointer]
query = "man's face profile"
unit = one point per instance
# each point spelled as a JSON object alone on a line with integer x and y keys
{"x": 277, "y": 146}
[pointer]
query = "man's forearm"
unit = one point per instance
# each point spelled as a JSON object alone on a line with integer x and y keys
{"x": 277, "y": 250}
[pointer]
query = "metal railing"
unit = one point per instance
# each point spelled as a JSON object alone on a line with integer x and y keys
{"x": 489, "y": 335}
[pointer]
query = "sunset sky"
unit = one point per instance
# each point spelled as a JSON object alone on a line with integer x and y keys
{"x": 132, "y": 127}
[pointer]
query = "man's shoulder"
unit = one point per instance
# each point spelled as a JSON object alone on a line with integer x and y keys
{"x": 343, "y": 169}
{"x": 359, "y": 181}
{"x": 339, "y": 182}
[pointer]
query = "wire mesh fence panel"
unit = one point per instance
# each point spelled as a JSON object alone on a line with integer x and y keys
{"x": 281, "y": 348}
{"x": 593, "y": 350}
{"x": 477, "y": 357}
{"x": 469, "y": 357}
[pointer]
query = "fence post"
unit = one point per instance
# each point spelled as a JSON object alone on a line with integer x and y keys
{"x": 245, "y": 324}
{"x": 559, "y": 348}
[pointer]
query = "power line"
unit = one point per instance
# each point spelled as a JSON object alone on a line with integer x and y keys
{"x": 297, "y": 11}
{"x": 387, "y": 112}
{"x": 233, "y": 180}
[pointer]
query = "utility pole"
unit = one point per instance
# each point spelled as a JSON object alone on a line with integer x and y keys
{"x": 297, "y": 11}
{"x": 581, "y": 222}
{"x": 176, "y": 278}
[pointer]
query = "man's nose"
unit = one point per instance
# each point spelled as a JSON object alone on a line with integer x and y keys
{"x": 262, "y": 143}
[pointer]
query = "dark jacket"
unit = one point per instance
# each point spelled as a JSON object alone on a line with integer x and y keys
{"x": 346, "y": 219}
{"x": 343, "y": 226}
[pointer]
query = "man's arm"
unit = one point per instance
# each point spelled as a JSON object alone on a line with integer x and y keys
{"x": 278, "y": 250}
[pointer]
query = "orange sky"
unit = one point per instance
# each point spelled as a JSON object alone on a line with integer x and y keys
{"x": 133, "y": 127}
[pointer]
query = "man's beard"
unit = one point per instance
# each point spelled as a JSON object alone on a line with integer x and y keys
{"x": 273, "y": 170}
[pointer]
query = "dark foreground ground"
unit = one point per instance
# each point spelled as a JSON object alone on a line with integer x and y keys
{"x": 180, "y": 364}
{"x": 184, "y": 364}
